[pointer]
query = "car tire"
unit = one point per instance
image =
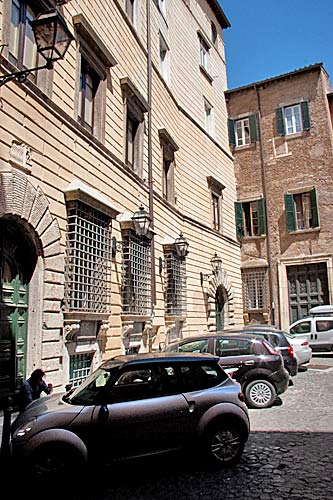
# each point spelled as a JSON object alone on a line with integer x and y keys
{"x": 260, "y": 394}
{"x": 55, "y": 460}
{"x": 224, "y": 444}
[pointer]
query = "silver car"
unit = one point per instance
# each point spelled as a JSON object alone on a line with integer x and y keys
{"x": 134, "y": 406}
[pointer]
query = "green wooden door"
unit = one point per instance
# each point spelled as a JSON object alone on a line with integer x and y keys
{"x": 13, "y": 320}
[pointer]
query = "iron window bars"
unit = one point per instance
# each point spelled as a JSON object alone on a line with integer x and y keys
{"x": 88, "y": 259}
{"x": 255, "y": 289}
{"x": 136, "y": 283}
{"x": 175, "y": 285}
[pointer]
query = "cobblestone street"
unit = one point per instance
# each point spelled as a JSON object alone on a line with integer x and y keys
{"x": 288, "y": 456}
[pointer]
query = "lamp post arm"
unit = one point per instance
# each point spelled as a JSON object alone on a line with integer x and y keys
{"x": 22, "y": 75}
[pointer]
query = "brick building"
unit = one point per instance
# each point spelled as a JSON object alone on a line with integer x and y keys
{"x": 280, "y": 132}
{"x": 135, "y": 114}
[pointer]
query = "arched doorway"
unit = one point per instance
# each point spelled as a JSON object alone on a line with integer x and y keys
{"x": 221, "y": 305}
{"x": 17, "y": 262}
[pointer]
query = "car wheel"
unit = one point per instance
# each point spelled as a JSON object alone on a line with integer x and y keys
{"x": 224, "y": 444}
{"x": 260, "y": 394}
{"x": 55, "y": 460}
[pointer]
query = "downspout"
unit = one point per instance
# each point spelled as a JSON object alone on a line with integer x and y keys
{"x": 264, "y": 186}
{"x": 150, "y": 161}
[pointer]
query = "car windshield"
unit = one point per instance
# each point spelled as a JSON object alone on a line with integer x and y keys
{"x": 87, "y": 393}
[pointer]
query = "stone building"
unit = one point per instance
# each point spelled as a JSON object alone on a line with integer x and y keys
{"x": 131, "y": 122}
{"x": 280, "y": 132}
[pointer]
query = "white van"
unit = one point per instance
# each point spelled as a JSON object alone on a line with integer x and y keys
{"x": 317, "y": 329}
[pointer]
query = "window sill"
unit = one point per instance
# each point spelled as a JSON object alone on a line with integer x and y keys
{"x": 296, "y": 135}
{"x": 304, "y": 231}
{"x": 205, "y": 73}
{"x": 245, "y": 146}
{"x": 250, "y": 238}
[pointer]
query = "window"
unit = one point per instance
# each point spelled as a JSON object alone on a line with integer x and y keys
{"x": 175, "y": 284}
{"x": 301, "y": 211}
{"x": 293, "y": 119}
{"x": 250, "y": 218}
{"x": 136, "y": 283}
{"x": 160, "y": 4}
{"x": 89, "y": 82}
{"x": 88, "y": 259}
{"x": 135, "y": 108}
{"x": 255, "y": 289}
{"x": 204, "y": 51}
{"x": 79, "y": 368}
{"x": 130, "y": 10}
{"x": 208, "y": 117}
{"x": 194, "y": 346}
{"x": 169, "y": 148}
{"x": 303, "y": 327}
{"x": 214, "y": 34}
{"x": 91, "y": 78}
{"x": 196, "y": 377}
{"x": 243, "y": 131}
{"x": 164, "y": 58}
{"x": 324, "y": 326}
{"x": 216, "y": 189}
{"x": 22, "y": 47}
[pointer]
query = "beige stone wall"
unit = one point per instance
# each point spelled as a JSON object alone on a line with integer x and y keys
{"x": 61, "y": 151}
{"x": 301, "y": 161}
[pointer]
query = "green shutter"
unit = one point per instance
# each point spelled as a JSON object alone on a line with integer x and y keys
{"x": 290, "y": 212}
{"x": 280, "y": 127}
{"x": 314, "y": 208}
{"x": 231, "y": 130}
{"x": 239, "y": 220}
{"x": 261, "y": 209}
{"x": 253, "y": 128}
{"x": 305, "y": 115}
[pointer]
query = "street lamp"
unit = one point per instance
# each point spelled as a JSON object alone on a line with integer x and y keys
{"x": 52, "y": 39}
{"x": 216, "y": 263}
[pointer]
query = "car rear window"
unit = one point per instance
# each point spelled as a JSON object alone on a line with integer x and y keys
{"x": 233, "y": 347}
{"x": 196, "y": 376}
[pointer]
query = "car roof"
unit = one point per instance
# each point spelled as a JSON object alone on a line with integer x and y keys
{"x": 236, "y": 334}
{"x": 321, "y": 310}
{"x": 157, "y": 357}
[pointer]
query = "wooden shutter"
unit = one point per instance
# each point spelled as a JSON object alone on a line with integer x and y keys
{"x": 290, "y": 212}
{"x": 239, "y": 219}
{"x": 253, "y": 128}
{"x": 305, "y": 115}
{"x": 280, "y": 127}
{"x": 314, "y": 208}
{"x": 261, "y": 209}
{"x": 231, "y": 131}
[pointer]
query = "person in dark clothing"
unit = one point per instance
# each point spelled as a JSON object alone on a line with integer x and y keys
{"x": 32, "y": 388}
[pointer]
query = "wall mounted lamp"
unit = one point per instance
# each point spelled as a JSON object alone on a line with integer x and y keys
{"x": 180, "y": 245}
{"x": 52, "y": 38}
{"x": 216, "y": 263}
{"x": 141, "y": 222}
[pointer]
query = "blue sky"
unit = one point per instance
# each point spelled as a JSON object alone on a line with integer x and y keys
{"x": 271, "y": 37}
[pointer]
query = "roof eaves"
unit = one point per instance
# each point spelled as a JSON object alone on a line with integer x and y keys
{"x": 220, "y": 15}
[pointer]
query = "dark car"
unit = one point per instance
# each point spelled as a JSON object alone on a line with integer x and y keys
{"x": 248, "y": 358}
{"x": 279, "y": 341}
{"x": 135, "y": 405}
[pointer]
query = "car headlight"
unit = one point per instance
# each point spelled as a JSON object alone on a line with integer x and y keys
{"x": 25, "y": 428}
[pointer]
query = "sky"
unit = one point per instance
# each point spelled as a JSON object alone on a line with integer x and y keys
{"x": 271, "y": 37}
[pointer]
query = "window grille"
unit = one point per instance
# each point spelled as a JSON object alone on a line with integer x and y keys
{"x": 79, "y": 367}
{"x": 136, "y": 286}
{"x": 176, "y": 285}
{"x": 255, "y": 289}
{"x": 88, "y": 259}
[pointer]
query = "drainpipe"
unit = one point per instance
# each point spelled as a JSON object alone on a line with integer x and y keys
{"x": 150, "y": 161}
{"x": 264, "y": 185}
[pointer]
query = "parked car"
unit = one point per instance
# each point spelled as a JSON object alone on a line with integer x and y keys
{"x": 278, "y": 340}
{"x": 248, "y": 358}
{"x": 317, "y": 330}
{"x": 135, "y": 405}
{"x": 302, "y": 349}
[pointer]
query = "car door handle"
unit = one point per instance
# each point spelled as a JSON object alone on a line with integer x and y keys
{"x": 248, "y": 363}
{"x": 191, "y": 406}
{"x": 103, "y": 413}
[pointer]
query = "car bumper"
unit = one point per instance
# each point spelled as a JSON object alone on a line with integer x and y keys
{"x": 280, "y": 380}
